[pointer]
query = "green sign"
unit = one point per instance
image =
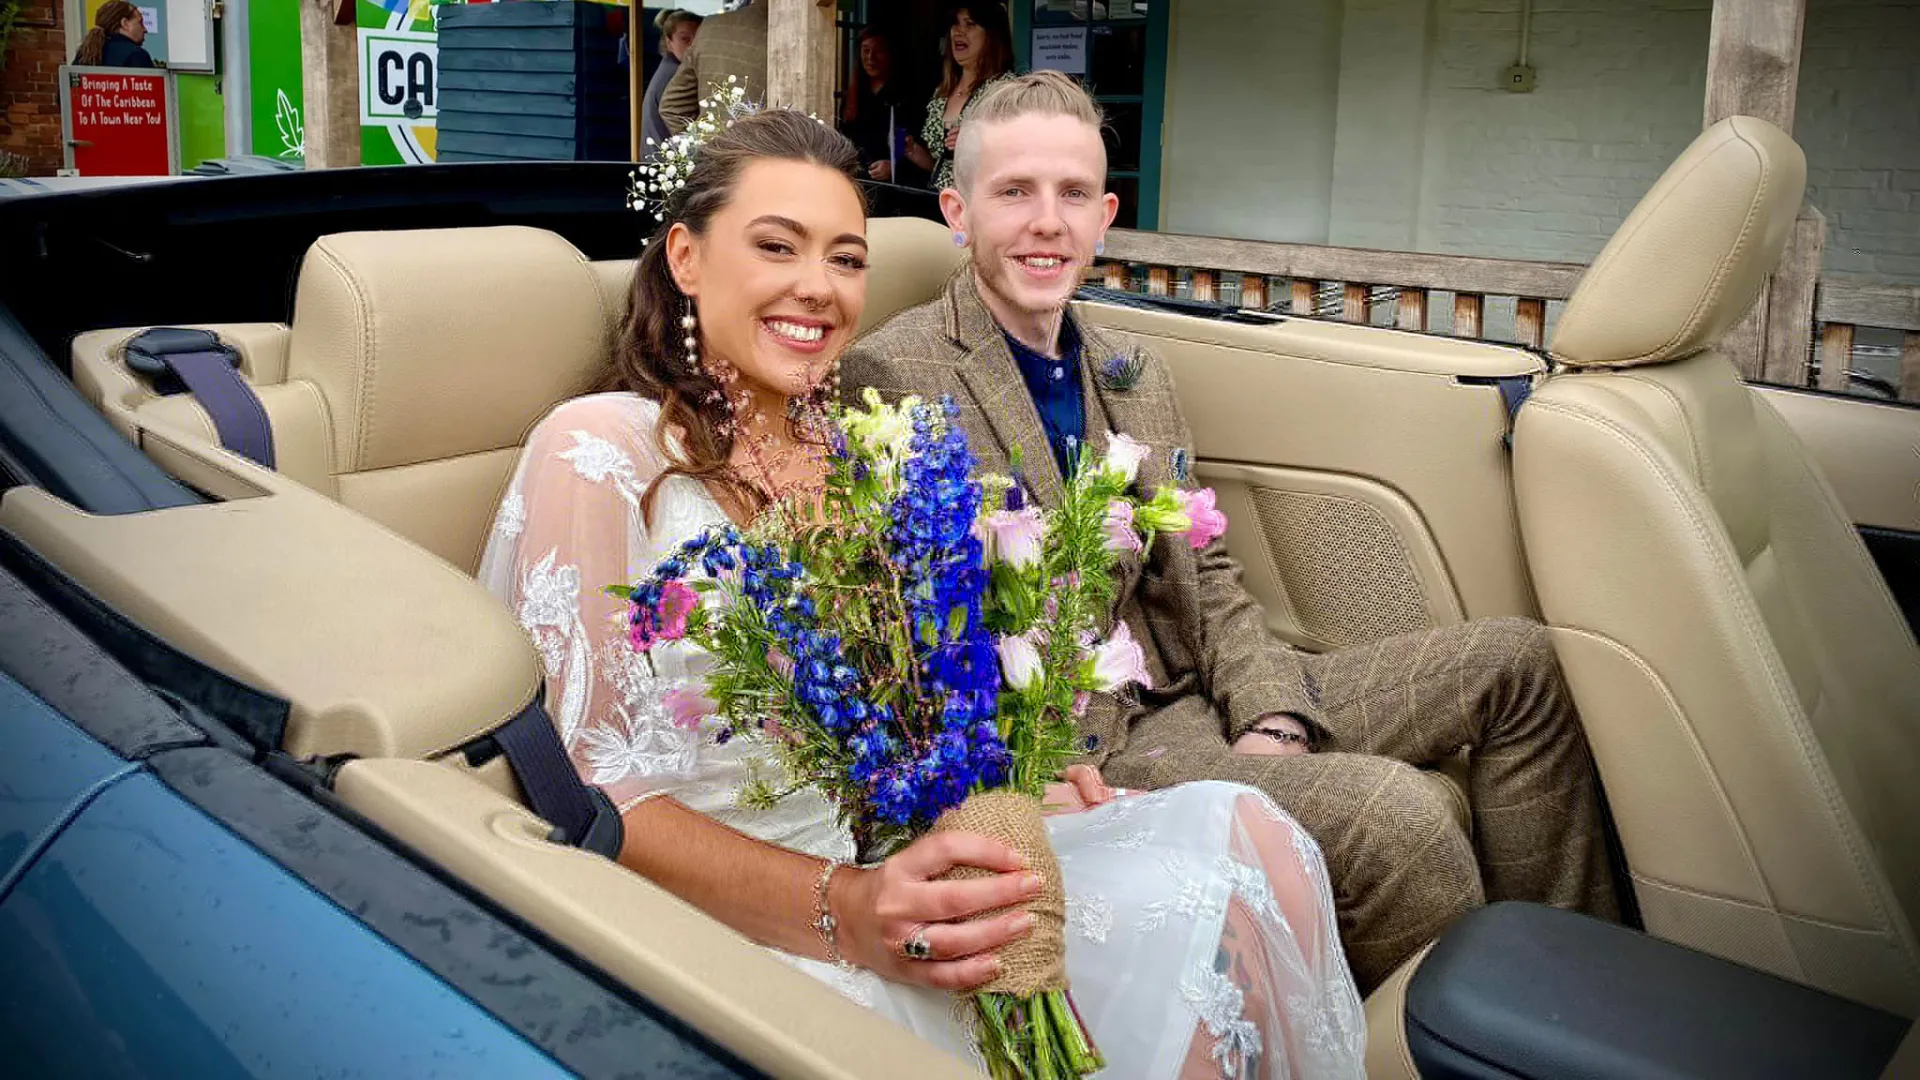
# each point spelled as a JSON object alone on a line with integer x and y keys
{"x": 388, "y": 136}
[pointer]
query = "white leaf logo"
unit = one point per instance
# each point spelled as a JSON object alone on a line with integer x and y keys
{"x": 293, "y": 134}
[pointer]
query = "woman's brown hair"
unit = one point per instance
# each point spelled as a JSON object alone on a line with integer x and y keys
{"x": 998, "y": 58}
{"x": 112, "y": 15}
{"x": 650, "y": 358}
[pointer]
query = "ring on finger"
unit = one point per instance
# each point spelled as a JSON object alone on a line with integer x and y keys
{"x": 916, "y": 947}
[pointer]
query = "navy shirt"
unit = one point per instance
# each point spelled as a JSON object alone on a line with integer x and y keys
{"x": 1055, "y": 388}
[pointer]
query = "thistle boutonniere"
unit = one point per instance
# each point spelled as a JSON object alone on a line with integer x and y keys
{"x": 1121, "y": 371}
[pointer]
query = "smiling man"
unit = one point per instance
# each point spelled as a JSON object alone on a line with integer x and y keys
{"x": 1334, "y": 738}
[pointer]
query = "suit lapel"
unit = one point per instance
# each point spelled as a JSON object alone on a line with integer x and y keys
{"x": 999, "y": 392}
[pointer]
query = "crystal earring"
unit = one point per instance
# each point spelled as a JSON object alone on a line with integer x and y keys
{"x": 692, "y": 344}
{"x": 1100, "y": 246}
{"x": 959, "y": 238}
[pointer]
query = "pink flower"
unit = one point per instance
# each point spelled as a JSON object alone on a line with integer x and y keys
{"x": 1013, "y": 536}
{"x": 687, "y": 707}
{"x": 1121, "y": 535}
{"x": 1124, "y": 455}
{"x": 1208, "y": 523}
{"x": 1081, "y": 700}
{"x": 1119, "y": 661}
{"x": 677, "y": 601}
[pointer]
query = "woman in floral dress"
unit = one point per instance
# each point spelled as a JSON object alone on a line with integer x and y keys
{"x": 979, "y": 53}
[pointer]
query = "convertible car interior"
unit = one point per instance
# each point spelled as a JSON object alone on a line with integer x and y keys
{"x": 1748, "y": 682}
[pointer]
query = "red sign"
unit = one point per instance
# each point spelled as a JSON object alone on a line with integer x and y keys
{"x": 119, "y": 122}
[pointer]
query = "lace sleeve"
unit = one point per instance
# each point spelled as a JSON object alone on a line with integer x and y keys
{"x": 569, "y": 526}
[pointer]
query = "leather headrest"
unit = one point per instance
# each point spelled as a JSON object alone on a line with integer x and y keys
{"x": 911, "y": 260}
{"x": 1692, "y": 257}
{"x": 435, "y": 343}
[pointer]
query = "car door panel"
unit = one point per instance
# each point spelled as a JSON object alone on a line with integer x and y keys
{"x": 1363, "y": 470}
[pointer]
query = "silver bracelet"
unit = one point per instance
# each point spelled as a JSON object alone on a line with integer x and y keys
{"x": 824, "y": 923}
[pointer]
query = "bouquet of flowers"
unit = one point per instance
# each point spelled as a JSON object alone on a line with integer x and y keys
{"x": 918, "y": 644}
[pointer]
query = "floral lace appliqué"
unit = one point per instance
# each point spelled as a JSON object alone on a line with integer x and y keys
{"x": 1219, "y": 1004}
{"x": 512, "y": 519}
{"x": 597, "y": 461}
{"x": 1091, "y": 917}
{"x": 1189, "y": 900}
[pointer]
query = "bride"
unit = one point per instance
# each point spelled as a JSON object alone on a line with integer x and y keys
{"x": 1200, "y": 929}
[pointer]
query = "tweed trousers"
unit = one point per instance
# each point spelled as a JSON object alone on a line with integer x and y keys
{"x": 1402, "y": 866}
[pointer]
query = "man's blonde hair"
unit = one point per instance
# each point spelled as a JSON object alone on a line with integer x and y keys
{"x": 1038, "y": 93}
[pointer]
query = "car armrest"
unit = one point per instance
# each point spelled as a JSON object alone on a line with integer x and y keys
{"x": 1535, "y": 993}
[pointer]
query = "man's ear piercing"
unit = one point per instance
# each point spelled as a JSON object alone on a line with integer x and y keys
{"x": 1100, "y": 246}
{"x": 959, "y": 238}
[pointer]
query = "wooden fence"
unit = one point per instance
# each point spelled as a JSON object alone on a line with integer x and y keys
{"x": 1356, "y": 284}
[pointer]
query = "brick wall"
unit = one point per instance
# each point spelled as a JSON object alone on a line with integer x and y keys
{"x": 29, "y": 102}
{"x": 1858, "y": 118}
{"x": 1430, "y": 153}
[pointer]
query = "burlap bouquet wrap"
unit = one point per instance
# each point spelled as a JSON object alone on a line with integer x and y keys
{"x": 1038, "y": 962}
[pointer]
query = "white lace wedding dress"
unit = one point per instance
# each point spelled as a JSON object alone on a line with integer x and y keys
{"x": 1201, "y": 937}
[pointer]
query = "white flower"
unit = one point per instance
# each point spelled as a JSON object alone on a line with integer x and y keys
{"x": 1020, "y": 665}
{"x": 1124, "y": 456}
{"x": 1015, "y": 537}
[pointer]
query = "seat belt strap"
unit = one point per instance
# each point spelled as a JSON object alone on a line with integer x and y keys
{"x": 1514, "y": 391}
{"x": 199, "y": 363}
{"x": 582, "y": 813}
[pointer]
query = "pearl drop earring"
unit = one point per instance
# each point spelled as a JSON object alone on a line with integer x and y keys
{"x": 692, "y": 344}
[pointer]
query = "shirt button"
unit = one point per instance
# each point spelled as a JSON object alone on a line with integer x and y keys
{"x": 1059, "y": 373}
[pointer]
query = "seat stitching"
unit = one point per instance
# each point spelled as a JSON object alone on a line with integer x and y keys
{"x": 363, "y": 377}
{"x": 1700, "y": 752}
{"x": 1742, "y": 604}
{"x": 326, "y": 419}
{"x": 1700, "y": 459}
{"x": 1771, "y": 909}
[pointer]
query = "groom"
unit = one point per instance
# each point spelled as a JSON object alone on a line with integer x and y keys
{"x": 1229, "y": 701}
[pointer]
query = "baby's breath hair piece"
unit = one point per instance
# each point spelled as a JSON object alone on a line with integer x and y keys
{"x": 655, "y": 182}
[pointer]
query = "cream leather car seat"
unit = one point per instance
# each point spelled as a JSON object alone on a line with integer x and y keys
{"x": 1750, "y": 690}
{"x": 416, "y": 363}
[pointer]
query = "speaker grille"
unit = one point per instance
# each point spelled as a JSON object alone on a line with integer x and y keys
{"x": 1341, "y": 564}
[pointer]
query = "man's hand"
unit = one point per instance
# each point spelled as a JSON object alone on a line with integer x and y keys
{"x": 1083, "y": 789}
{"x": 1276, "y": 734}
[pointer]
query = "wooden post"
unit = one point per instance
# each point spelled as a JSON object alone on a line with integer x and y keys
{"x": 1530, "y": 321}
{"x": 1753, "y": 60}
{"x": 1117, "y": 276}
{"x": 1303, "y": 298}
{"x": 330, "y": 78}
{"x": 1253, "y": 291}
{"x": 636, "y": 78}
{"x": 1787, "y": 302}
{"x": 1836, "y": 356}
{"x": 1203, "y": 285}
{"x": 1410, "y": 311}
{"x": 1910, "y": 366}
{"x": 1467, "y": 308}
{"x": 1356, "y": 304}
{"x": 1159, "y": 281}
{"x": 802, "y": 55}
{"x": 1753, "y": 69}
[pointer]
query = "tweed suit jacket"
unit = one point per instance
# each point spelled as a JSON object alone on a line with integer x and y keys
{"x": 1206, "y": 641}
{"x": 730, "y": 43}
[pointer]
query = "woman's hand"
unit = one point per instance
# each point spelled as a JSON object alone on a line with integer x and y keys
{"x": 953, "y": 137}
{"x": 878, "y": 909}
{"x": 1291, "y": 737}
{"x": 881, "y": 171}
{"x": 918, "y": 154}
{"x": 1083, "y": 788}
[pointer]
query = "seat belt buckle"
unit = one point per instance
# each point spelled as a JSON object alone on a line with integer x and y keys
{"x": 147, "y": 354}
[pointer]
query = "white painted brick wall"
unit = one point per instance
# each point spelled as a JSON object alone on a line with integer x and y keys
{"x": 1257, "y": 129}
{"x": 1549, "y": 174}
{"x": 1858, "y": 118}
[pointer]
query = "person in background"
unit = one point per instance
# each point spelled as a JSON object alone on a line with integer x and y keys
{"x": 116, "y": 38}
{"x": 875, "y": 111}
{"x": 676, "y": 37}
{"x": 979, "y": 52}
{"x": 732, "y": 43}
